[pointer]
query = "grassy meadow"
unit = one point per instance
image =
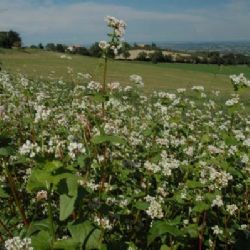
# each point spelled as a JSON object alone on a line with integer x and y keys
{"x": 36, "y": 63}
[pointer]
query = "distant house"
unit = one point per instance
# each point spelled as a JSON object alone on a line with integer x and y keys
{"x": 73, "y": 48}
{"x": 141, "y": 45}
{"x": 70, "y": 49}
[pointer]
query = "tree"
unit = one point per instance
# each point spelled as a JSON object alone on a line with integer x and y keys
{"x": 168, "y": 58}
{"x": 40, "y": 46}
{"x": 142, "y": 56}
{"x": 126, "y": 54}
{"x": 95, "y": 50}
{"x": 51, "y": 47}
{"x": 125, "y": 50}
{"x": 60, "y": 48}
{"x": 82, "y": 51}
{"x": 33, "y": 46}
{"x": 157, "y": 56}
{"x": 10, "y": 39}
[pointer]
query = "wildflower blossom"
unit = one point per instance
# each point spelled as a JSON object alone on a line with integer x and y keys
{"x": 103, "y": 222}
{"x": 136, "y": 79}
{"x": 217, "y": 201}
{"x": 29, "y": 148}
{"x": 75, "y": 148}
{"x": 232, "y": 101}
{"x": 198, "y": 88}
{"x": 104, "y": 45}
{"x": 16, "y": 243}
{"x": 231, "y": 209}
{"x": 217, "y": 230}
{"x": 41, "y": 195}
{"x": 155, "y": 209}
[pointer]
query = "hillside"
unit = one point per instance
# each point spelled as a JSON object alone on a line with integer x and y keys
{"x": 37, "y": 63}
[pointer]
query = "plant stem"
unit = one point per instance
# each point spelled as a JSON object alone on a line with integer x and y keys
{"x": 52, "y": 229}
{"x": 104, "y": 81}
{"x": 202, "y": 231}
{"x": 16, "y": 199}
{"x": 6, "y": 229}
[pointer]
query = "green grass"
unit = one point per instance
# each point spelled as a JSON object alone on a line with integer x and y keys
{"x": 37, "y": 63}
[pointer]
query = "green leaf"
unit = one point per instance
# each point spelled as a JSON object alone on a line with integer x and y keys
{"x": 42, "y": 179}
{"x": 229, "y": 140}
{"x": 6, "y": 151}
{"x": 80, "y": 160}
{"x": 165, "y": 247}
{"x": 3, "y": 194}
{"x": 89, "y": 236}
{"x": 72, "y": 184}
{"x": 192, "y": 230}
{"x": 141, "y": 205}
{"x": 205, "y": 138}
{"x": 41, "y": 241}
{"x": 68, "y": 244}
{"x": 160, "y": 228}
{"x": 201, "y": 207}
{"x": 52, "y": 166}
{"x": 194, "y": 184}
{"x": 99, "y": 139}
{"x": 94, "y": 240}
{"x": 41, "y": 225}
{"x": 66, "y": 206}
{"x": 38, "y": 179}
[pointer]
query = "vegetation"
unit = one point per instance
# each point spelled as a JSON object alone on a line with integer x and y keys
{"x": 10, "y": 39}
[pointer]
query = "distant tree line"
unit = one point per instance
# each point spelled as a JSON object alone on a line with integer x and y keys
{"x": 195, "y": 58}
{"x": 94, "y": 50}
{"x": 157, "y": 56}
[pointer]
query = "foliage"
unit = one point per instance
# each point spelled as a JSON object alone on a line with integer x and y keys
{"x": 10, "y": 39}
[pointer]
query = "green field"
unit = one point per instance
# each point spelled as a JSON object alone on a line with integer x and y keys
{"x": 37, "y": 63}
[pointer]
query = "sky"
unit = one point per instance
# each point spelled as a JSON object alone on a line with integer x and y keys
{"x": 82, "y": 22}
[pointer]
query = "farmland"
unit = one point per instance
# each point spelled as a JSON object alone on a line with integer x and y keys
{"x": 36, "y": 63}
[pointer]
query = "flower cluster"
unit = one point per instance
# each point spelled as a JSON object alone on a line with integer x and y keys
{"x": 136, "y": 79}
{"x": 16, "y": 243}
{"x": 115, "y": 44}
{"x": 239, "y": 81}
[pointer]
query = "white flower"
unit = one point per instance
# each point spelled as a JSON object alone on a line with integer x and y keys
{"x": 245, "y": 159}
{"x": 247, "y": 142}
{"x": 104, "y": 45}
{"x": 136, "y": 79}
{"x": 243, "y": 227}
{"x": 103, "y": 222}
{"x": 181, "y": 90}
{"x": 217, "y": 230}
{"x": 240, "y": 80}
{"x": 217, "y": 201}
{"x": 75, "y": 148}
{"x": 231, "y": 209}
{"x": 232, "y": 101}
{"x": 198, "y": 88}
{"x": 42, "y": 195}
{"x": 113, "y": 85}
{"x": 16, "y": 243}
{"x": 214, "y": 150}
{"x": 155, "y": 209}
{"x": 29, "y": 148}
{"x": 94, "y": 85}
